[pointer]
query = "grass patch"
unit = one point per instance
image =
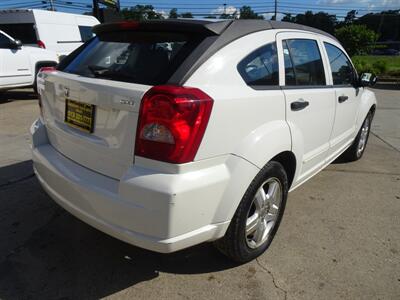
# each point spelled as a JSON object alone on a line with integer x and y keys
{"x": 380, "y": 65}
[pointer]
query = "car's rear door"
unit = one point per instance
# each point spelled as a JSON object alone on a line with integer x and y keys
{"x": 310, "y": 101}
{"x": 347, "y": 95}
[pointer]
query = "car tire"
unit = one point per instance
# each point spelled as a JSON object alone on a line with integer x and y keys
{"x": 258, "y": 215}
{"x": 356, "y": 150}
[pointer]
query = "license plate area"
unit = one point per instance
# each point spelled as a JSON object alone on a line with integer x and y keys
{"x": 79, "y": 115}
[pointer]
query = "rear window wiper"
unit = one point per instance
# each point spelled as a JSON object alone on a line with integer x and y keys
{"x": 97, "y": 70}
{"x": 103, "y": 72}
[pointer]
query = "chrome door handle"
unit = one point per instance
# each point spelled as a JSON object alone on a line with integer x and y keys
{"x": 299, "y": 105}
{"x": 341, "y": 99}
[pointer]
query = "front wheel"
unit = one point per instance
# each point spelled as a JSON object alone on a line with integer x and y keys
{"x": 258, "y": 216}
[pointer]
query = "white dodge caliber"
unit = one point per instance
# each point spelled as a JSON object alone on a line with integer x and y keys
{"x": 166, "y": 134}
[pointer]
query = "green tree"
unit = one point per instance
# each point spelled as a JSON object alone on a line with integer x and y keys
{"x": 173, "y": 13}
{"x": 186, "y": 15}
{"x": 385, "y": 23}
{"x": 247, "y": 13}
{"x": 320, "y": 20}
{"x": 356, "y": 39}
{"x": 140, "y": 13}
{"x": 289, "y": 18}
{"x": 350, "y": 17}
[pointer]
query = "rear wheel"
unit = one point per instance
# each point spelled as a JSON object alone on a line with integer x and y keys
{"x": 258, "y": 216}
{"x": 356, "y": 150}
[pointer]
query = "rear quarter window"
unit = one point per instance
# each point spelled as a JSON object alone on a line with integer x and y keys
{"x": 260, "y": 68}
{"x": 139, "y": 57}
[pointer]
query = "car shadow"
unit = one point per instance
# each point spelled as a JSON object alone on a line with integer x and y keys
{"x": 15, "y": 95}
{"x": 47, "y": 253}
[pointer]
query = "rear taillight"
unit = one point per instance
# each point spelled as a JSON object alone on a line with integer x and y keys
{"x": 47, "y": 69}
{"x": 41, "y": 44}
{"x": 172, "y": 123}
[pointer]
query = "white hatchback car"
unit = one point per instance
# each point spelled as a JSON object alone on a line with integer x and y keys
{"x": 166, "y": 134}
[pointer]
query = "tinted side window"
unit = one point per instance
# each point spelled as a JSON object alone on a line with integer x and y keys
{"x": 261, "y": 66}
{"x": 86, "y": 33}
{"x": 25, "y": 32}
{"x": 4, "y": 41}
{"x": 342, "y": 70}
{"x": 306, "y": 60}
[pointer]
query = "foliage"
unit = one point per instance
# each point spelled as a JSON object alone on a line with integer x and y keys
{"x": 289, "y": 18}
{"x": 356, "y": 39}
{"x": 320, "y": 20}
{"x": 386, "y": 23}
{"x": 350, "y": 17}
{"x": 380, "y": 65}
{"x": 173, "y": 13}
{"x": 186, "y": 15}
{"x": 140, "y": 13}
{"x": 228, "y": 16}
{"x": 247, "y": 13}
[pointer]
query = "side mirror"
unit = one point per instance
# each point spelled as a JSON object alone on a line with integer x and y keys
{"x": 367, "y": 79}
{"x": 16, "y": 44}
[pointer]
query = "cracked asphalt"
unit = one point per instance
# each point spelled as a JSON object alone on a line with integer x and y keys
{"x": 339, "y": 238}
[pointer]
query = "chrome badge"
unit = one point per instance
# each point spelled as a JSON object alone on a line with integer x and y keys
{"x": 127, "y": 102}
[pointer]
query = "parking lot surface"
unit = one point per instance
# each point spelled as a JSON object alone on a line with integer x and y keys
{"x": 339, "y": 237}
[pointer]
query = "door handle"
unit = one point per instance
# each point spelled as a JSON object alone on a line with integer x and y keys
{"x": 299, "y": 105}
{"x": 342, "y": 99}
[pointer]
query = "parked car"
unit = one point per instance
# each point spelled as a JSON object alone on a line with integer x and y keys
{"x": 168, "y": 147}
{"x": 19, "y": 64}
{"x": 56, "y": 31}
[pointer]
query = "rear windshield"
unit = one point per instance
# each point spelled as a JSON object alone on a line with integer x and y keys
{"x": 139, "y": 57}
{"x": 25, "y": 32}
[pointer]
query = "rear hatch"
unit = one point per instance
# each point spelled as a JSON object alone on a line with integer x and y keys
{"x": 91, "y": 103}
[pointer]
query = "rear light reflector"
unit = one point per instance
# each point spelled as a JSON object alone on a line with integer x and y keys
{"x": 47, "y": 69}
{"x": 41, "y": 44}
{"x": 172, "y": 122}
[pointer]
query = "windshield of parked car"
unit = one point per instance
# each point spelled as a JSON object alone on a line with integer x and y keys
{"x": 144, "y": 58}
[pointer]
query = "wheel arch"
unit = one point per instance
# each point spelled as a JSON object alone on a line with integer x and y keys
{"x": 368, "y": 104}
{"x": 288, "y": 160}
{"x": 270, "y": 142}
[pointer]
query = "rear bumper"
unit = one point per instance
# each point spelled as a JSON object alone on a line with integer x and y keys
{"x": 158, "y": 211}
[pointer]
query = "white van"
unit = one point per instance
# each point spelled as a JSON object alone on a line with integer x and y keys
{"x": 56, "y": 31}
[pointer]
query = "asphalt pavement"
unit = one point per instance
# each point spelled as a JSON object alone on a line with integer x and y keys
{"x": 339, "y": 238}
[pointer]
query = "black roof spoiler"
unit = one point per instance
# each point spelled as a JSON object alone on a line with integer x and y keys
{"x": 174, "y": 25}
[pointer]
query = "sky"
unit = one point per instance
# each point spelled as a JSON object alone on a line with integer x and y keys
{"x": 198, "y": 8}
